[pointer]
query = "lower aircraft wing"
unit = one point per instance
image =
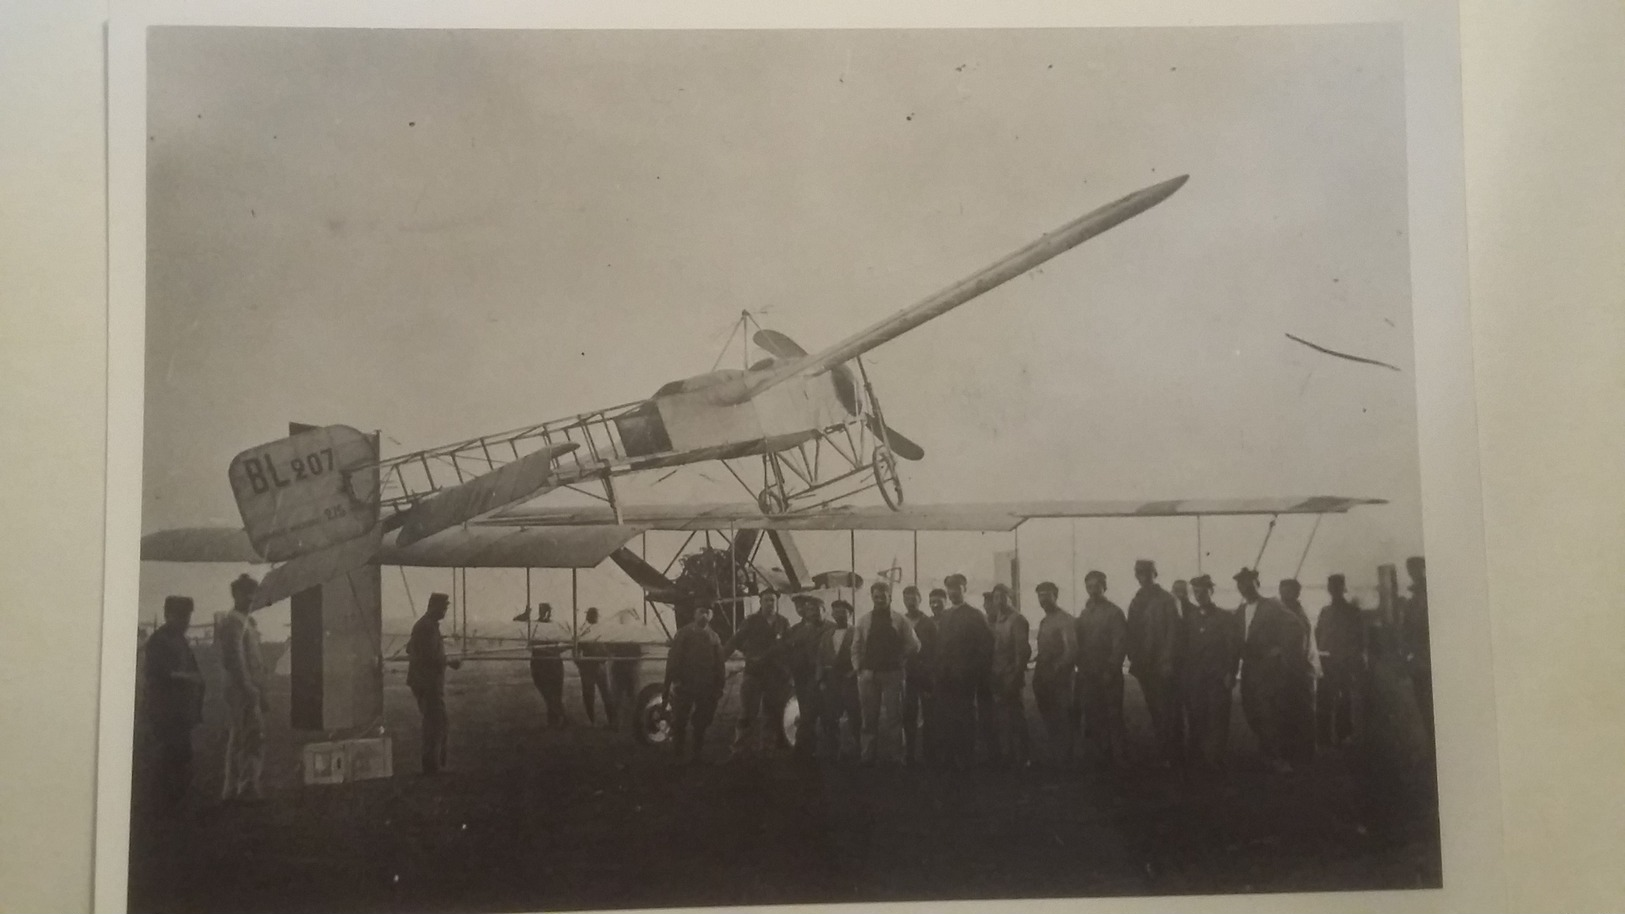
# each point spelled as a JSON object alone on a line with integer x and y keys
{"x": 551, "y": 546}
{"x": 983, "y": 516}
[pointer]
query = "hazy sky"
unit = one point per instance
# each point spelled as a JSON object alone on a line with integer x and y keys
{"x": 440, "y": 234}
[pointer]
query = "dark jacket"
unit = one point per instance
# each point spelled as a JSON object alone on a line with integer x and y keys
{"x": 174, "y": 699}
{"x": 1212, "y": 649}
{"x": 965, "y": 646}
{"x": 426, "y": 655}
{"x": 1153, "y": 632}
{"x": 1102, "y": 639}
{"x": 695, "y": 661}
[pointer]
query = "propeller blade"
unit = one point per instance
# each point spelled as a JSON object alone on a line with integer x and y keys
{"x": 899, "y": 444}
{"x": 779, "y": 345}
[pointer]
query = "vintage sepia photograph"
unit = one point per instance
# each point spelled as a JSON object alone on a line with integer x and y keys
{"x": 591, "y": 469}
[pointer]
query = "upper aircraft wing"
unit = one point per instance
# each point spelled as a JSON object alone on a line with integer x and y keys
{"x": 1050, "y": 245}
{"x": 985, "y": 516}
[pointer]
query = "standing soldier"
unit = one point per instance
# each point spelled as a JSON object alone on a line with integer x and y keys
{"x": 1102, "y": 644}
{"x": 966, "y": 654}
{"x": 1270, "y": 640}
{"x": 1153, "y": 645}
{"x": 936, "y": 728}
{"x": 837, "y": 683}
{"x": 1340, "y": 636}
{"x": 1012, "y": 648}
{"x": 881, "y": 643}
{"x": 590, "y": 654}
{"x": 760, "y": 640}
{"x": 1299, "y": 712}
{"x": 1052, "y": 673}
{"x": 1418, "y": 648}
{"x": 919, "y": 723}
{"x": 1212, "y": 650}
{"x": 802, "y": 658}
{"x": 694, "y": 677}
{"x": 237, "y": 639}
{"x": 173, "y": 701}
{"x": 426, "y": 676}
{"x": 547, "y": 671}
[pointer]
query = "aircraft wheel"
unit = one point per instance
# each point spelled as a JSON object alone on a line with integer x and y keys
{"x": 772, "y": 501}
{"x": 792, "y": 715}
{"x": 886, "y": 478}
{"x": 651, "y": 725}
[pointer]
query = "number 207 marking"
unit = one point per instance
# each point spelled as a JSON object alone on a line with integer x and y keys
{"x": 263, "y": 476}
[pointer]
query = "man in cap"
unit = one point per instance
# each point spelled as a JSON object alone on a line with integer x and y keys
{"x": 426, "y": 676}
{"x": 1302, "y": 672}
{"x": 1057, "y": 657}
{"x": 1270, "y": 646}
{"x": 801, "y": 656}
{"x": 173, "y": 701}
{"x": 237, "y": 640}
{"x": 918, "y": 714}
{"x": 761, "y": 640}
{"x": 1153, "y": 647}
{"x": 695, "y": 673}
{"x": 547, "y": 670}
{"x": 1417, "y": 640}
{"x": 837, "y": 684}
{"x": 966, "y": 659}
{"x": 1340, "y": 636}
{"x": 882, "y": 642}
{"x": 590, "y": 668}
{"x": 1012, "y": 648}
{"x": 1212, "y": 649}
{"x": 1102, "y": 644}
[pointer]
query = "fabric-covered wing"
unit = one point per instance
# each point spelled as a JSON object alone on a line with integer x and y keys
{"x": 987, "y": 516}
{"x": 553, "y": 546}
{"x": 200, "y": 544}
{"x": 480, "y": 546}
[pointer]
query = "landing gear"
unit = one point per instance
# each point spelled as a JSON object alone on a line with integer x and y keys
{"x": 651, "y": 720}
{"x": 772, "y": 501}
{"x": 886, "y": 478}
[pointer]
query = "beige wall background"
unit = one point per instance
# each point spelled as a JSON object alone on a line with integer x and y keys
{"x": 1545, "y": 127}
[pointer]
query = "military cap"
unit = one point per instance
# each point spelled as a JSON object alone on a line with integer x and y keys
{"x": 244, "y": 584}
{"x": 1335, "y": 580}
{"x": 438, "y": 599}
{"x": 1245, "y": 574}
{"x": 174, "y": 606}
{"x": 1202, "y": 580}
{"x": 1144, "y": 565}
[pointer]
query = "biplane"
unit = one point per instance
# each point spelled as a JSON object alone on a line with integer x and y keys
{"x": 322, "y": 504}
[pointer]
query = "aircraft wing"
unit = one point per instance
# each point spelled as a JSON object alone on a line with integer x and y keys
{"x": 1050, "y": 245}
{"x": 474, "y": 546}
{"x": 984, "y": 516}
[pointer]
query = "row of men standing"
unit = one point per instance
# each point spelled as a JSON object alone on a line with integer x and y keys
{"x": 931, "y": 687}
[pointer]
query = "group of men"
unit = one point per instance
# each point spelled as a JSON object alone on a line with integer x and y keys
{"x": 947, "y": 688}
{"x": 173, "y": 691}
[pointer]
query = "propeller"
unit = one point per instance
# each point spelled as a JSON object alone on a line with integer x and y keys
{"x": 846, "y": 388}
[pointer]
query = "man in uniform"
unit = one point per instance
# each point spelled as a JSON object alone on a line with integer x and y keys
{"x": 1052, "y": 673}
{"x": 237, "y": 638}
{"x": 1270, "y": 639}
{"x": 965, "y": 652}
{"x": 1012, "y": 648}
{"x": 590, "y": 667}
{"x": 173, "y": 701}
{"x": 1299, "y": 712}
{"x": 547, "y": 672}
{"x": 919, "y": 723}
{"x": 695, "y": 675}
{"x": 1153, "y": 647}
{"x": 426, "y": 676}
{"x": 1418, "y": 648}
{"x": 837, "y": 684}
{"x": 1102, "y": 643}
{"x": 1340, "y": 637}
{"x": 760, "y": 639}
{"x": 801, "y": 656}
{"x": 882, "y": 641}
{"x": 1208, "y": 676}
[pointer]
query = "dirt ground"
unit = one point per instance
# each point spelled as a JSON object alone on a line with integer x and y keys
{"x": 531, "y": 819}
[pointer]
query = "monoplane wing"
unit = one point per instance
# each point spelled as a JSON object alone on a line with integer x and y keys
{"x": 984, "y": 516}
{"x": 1050, "y": 245}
